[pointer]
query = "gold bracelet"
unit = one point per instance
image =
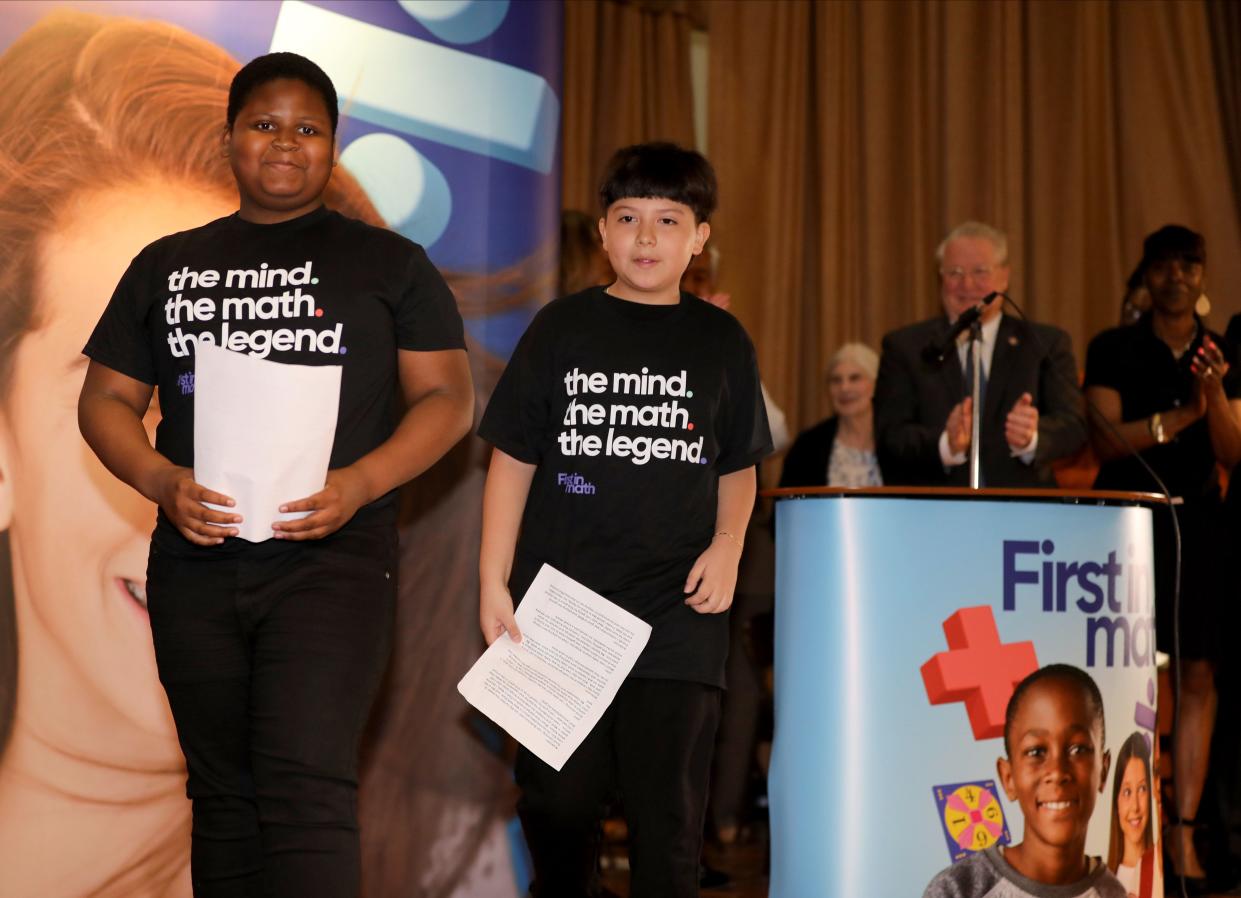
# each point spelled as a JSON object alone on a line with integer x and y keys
{"x": 730, "y": 536}
{"x": 1155, "y": 425}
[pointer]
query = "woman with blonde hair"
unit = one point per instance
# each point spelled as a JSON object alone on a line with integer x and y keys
{"x": 840, "y": 450}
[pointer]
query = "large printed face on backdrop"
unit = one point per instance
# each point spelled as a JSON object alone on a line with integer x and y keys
{"x": 79, "y": 536}
{"x": 416, "y": 147}
{"x": 450, "y": 131}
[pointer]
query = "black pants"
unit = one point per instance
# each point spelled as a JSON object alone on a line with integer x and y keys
{"x": 271, "y": 660}
{"x": 653, "y": 745}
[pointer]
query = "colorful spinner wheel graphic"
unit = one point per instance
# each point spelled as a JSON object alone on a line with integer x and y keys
{"x": 974, "y": 818}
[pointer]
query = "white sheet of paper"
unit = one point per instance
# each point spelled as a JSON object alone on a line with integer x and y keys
{"x": 549, "y": 690}
{"x": 263, "y": 432}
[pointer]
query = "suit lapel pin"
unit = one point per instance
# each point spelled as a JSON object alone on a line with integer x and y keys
{"x": 1013, "y": 341}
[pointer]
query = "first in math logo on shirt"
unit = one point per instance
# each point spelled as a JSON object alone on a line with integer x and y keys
{"x": 972, "y": 817}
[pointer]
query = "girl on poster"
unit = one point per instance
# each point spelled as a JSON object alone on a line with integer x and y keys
{"x": 1131, "y": 853}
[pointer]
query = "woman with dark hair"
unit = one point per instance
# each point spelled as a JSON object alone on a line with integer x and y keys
{"x": 99, "y": 159}
{"x": 1159, "y": 387}
{"x": 1130, "y": 853}
{"x": 583, "y": 263}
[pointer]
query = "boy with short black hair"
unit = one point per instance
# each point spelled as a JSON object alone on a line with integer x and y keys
{"x": 627, "y": 428}
{"x": 1054, "y": 733}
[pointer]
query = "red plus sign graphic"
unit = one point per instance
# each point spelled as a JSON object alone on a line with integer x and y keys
{"x": 978, "y": 669}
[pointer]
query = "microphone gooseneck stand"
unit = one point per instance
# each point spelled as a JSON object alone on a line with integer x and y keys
{"x": 935, "y": 353}
{"x": 976, "y": 405}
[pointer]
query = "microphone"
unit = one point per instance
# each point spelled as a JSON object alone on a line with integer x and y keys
{"x": 935, "y": 352}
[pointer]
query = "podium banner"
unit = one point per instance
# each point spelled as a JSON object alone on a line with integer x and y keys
{"x": 902, "y": 627}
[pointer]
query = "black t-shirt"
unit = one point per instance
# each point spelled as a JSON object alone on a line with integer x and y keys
{"x": 631, "y": 414}
{"x": 1139, "y": 366}
{"x": 320, "y": 289}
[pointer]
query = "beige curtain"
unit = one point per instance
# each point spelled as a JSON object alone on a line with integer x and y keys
{"x": 1224, "y": 20}
{"x": 626, "y": 80}
{"x": 849, "y": 136}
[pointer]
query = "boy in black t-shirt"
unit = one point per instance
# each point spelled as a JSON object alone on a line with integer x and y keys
{"x": 627, "y": 427}
{"x": 271, "y": 651}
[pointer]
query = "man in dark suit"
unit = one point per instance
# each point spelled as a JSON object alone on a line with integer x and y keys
{"x": 1031, "y": 405}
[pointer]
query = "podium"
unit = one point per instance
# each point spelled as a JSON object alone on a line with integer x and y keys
{"x": 904, "y": 618}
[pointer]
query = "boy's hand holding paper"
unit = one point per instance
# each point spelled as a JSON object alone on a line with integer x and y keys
{"x": 549, "y": 690}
